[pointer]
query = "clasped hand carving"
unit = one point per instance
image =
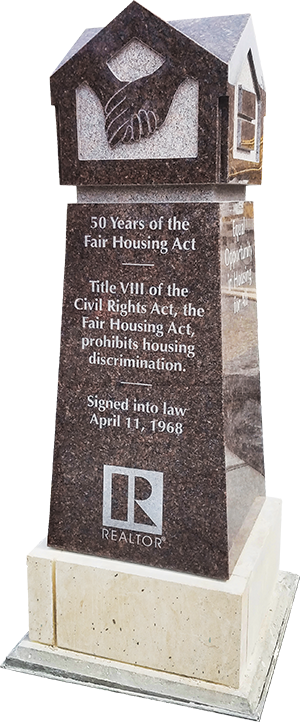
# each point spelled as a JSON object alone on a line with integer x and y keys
{"x": 126, "y": 119}
{"x": 136, "y": 110}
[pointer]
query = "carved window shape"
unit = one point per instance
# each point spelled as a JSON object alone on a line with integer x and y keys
{"x": 246, "y": 120}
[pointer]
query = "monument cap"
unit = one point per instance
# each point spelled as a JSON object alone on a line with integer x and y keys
{"x": 143, "y": 102}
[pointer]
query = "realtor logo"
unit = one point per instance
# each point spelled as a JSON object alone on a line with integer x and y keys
{"x": 151, "y": 506}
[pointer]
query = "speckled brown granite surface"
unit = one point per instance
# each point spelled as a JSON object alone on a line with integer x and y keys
{"x": 158, "y": 450}
{"x": 158, "y": 374}
{"x": 241, "y": 378}
{"x": 198, "y": 51}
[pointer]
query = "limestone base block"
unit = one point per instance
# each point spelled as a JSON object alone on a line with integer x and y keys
{"x": 162, "y": 634}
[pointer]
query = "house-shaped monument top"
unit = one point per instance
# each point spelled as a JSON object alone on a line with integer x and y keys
{"x": 143, "y": 101}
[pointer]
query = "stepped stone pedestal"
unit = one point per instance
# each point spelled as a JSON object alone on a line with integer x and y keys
{"x": 166, "y": 635}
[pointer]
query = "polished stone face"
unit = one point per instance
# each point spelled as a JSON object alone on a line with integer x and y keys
{"x": 240, "y": 363}
{"x": 158, "y": 449}
{"x": 143, "y": 101}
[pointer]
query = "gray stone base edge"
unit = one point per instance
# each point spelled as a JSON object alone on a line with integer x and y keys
{"x": 246, "y": 702}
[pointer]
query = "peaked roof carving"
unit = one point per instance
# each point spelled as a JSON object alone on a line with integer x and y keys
{"x": 136, "y": 93}
{"x": 218, "y": 35}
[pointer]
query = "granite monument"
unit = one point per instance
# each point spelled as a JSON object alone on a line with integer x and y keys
{"x": 160, "y": 575}
{"x": 158, "y": 452}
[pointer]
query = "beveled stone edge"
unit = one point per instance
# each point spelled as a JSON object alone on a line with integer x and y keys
{"x": 235, "y": 584}
{"x": 238, "y": 703}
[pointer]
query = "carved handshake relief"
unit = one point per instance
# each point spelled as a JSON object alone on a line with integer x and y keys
{"x": 137, "y": 109}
